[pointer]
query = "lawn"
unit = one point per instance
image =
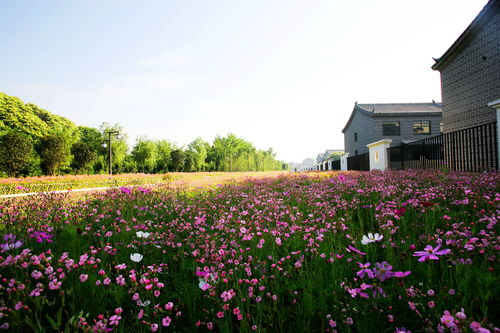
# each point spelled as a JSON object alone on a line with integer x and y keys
{"x": 392, "y": 251}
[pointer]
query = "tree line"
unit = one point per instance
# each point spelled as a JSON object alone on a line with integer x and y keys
{"x": 35, "y": 142}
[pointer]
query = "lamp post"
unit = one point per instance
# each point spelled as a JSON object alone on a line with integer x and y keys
{"x": 117, "y": 136}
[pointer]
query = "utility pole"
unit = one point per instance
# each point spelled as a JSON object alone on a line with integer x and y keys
{"x": 117, "y": 136}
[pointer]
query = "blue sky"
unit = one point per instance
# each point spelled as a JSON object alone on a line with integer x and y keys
{"x": 280, "y": 73}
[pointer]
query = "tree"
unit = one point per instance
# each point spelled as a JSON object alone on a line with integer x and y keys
{"x": 163, "y": 158}
{"x": 199, "y": 152}
{"x": 178, "y": 160}
{"x": 54, "y": 152}
{"x": 16, "y": 150}
{"x": 144, "y": 154}
{"x": 84, "y": 157}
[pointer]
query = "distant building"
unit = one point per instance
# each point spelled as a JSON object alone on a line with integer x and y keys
{"x": 324, "y": 160}
{"x": 470, "y": 72}
{"x": 308, "y": 164}
{"x": 400, "y": 122}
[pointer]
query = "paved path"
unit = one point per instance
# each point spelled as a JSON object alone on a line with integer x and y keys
{"x": 68, "y": 191}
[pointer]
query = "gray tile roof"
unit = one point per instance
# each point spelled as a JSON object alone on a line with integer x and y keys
{"x": 401, "y": 107}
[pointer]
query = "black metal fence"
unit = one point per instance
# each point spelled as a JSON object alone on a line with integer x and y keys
{"x": 359, "y": 162}
{"x": 471, "y": 149}
{"x": 336, "y": 165}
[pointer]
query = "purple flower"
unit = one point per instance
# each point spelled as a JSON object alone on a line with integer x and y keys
{"x": 431, "y": 253}
{"x": 365, "y": 270}
{"x": 383, "y": 271}
{"x": 10, "y": 243}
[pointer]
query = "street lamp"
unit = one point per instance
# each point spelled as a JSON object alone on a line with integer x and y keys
{"x": 117, "y": 137}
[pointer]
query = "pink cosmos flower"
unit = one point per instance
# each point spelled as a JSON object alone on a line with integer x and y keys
{"x": 448, "y": 320}
{"x": 353, "y": 249}
{"x": 166, "y": 321}
{"x": 431, "y": 253}
{"x": 115, "y": 320}
{"x": 461, "y": 314}
{"x": 154, "y": 327}
{"x": 83, "y": 277}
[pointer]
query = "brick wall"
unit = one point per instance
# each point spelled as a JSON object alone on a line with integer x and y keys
{"x": 363, "y": 125}
{"x": 406, "y": 128}
{"x": 369, "y": 130}
{"x": 472, "y": 79}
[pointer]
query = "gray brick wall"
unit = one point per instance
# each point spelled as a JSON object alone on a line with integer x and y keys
{"x": 369, "y": 130}
{"x": 362, "y": 125}
{"x": 472, "y": 79}
{"x": 406, "y": 128}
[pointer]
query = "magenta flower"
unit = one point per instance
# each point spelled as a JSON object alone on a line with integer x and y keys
{"x": 402, "y": 274}
{"x": 400, "y": 212}
{"x": 125, "y": 190}
{"x": 42, "y": 236}
{"x": 431, "y": 253}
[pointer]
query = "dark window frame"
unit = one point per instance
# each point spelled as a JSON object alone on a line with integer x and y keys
{"x": 355, "y": 136}
{"x": 422, "y": 124}
{"x": 388, "y": 128}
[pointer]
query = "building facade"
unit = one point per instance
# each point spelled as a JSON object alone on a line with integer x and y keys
{"x": 470, "y": 72}
{"x": 400, "y": 122}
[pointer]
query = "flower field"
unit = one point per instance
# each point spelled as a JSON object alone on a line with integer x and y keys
{"x": 393, "y": 251}
{"x": 9, "y": 186}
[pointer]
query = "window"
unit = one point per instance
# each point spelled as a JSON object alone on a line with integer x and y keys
{"x": 440, "y": 127}
{"x": 422, "y": 127}
{"x": 356, "y": 137}
{"x": 391, "y": 128}
{"x": 355, "y": 152}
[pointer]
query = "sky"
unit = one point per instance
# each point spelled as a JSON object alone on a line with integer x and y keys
{"x": 282, "y": 74}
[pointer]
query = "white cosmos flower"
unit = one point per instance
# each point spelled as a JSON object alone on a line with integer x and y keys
{"x": 203, "y": 284}
{"x": 140, "y": 303}
{"x": 136, "y": 257}
{"x": 371, "y": 238}
{"x": 142, "y": 234}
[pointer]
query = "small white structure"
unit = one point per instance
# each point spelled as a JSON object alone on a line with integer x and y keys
{"x": 496, "y": 104}
{"x": 379, "y": 156}
{"x": 343, "y": 162}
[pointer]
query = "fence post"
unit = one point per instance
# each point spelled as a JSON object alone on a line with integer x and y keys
{"x": 496, "y": 104}
{"x": 343, "y": 162}
{"x": 379, "y": 155}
